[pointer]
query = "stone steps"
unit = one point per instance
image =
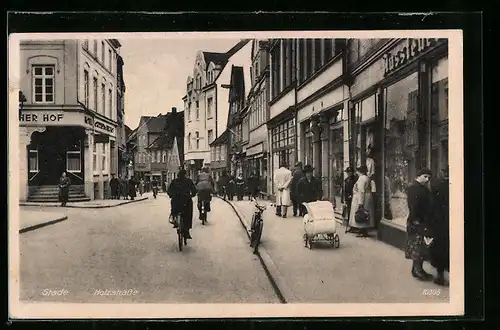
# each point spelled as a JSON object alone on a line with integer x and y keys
{"x": 51, "y": 194}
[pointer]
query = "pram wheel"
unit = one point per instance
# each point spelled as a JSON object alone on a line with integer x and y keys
{"x": 336, "y": 241}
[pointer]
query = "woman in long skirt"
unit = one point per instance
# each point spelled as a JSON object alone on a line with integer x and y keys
{"x": 362, "y": 197}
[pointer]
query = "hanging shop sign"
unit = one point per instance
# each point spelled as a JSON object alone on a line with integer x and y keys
{"x": 408, "y": 51}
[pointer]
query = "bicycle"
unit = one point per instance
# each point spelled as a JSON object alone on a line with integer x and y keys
{"x": 256, "y": 226}
{"x": 179, "y": 222}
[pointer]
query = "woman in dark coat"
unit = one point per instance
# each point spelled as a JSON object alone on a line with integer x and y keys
{"x": 440, "y": 248}
{"x": 181, "y": 191}
{"x": 64, "y": 184}
{"x": 417, "y": 227}
{"x": 240, "y": 187}
{"x": 132, "y": 185}
{"x": 124, "y": 188}
{"x": 309, "y": 188}
{"x": 253, "y": 185}
{"x": 294, "y": 192}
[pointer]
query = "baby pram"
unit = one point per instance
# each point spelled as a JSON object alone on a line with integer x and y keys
{"x": 320, "y": 224}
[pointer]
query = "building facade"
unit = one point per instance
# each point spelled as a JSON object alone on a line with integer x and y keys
{"x": 121, "y": 135}
{"x": 257, "y": 150}
{"x": 148, "y": 164}
{"x": 219, "y": 156}
{"x": 206, "y": 103}
{"x": 67, "y": 120}
{"x": 399, "y": 114}
{"x": 166, "y": 148}
{"x": 336, "y": 103}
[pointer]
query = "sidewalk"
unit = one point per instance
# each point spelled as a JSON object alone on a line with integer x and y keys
{"x": 95, "y": 204}
{"x": 31, "y": 220}
{"x": 361, "y": 270}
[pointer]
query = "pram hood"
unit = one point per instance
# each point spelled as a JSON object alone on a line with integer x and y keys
{"x": 320, "y": 210}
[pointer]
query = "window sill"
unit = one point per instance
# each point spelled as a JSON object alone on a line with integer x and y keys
{"x": 41, "y": 102}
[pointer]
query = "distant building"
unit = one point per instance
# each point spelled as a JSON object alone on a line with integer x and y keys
{"x": 68, "y": 121}
{"x": 165, "y": 149}
{"x": 205, "y": 103}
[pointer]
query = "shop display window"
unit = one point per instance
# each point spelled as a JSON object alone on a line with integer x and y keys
{"x": 439, "y": 116}
{"x": 401, "y": 145}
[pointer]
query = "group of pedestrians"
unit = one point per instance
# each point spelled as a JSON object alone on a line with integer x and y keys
{"x": 230, "y": 186}
{"x": 297, "y": 187}
{"x": 123, "y": 188}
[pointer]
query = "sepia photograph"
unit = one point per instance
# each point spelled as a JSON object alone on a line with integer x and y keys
{"x": 236, "y": 174}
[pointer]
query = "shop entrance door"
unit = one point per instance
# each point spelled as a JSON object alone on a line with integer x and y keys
{"x": 52, "y": 153}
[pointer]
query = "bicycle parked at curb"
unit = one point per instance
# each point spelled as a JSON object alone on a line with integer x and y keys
{"x": 256, "y": 226}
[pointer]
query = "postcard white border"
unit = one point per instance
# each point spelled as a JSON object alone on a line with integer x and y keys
{"x": 19, "y": 310}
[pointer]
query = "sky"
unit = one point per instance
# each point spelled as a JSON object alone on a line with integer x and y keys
{"x": 156, "y": 71}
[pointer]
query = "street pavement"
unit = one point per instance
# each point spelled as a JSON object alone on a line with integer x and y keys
{"x": 133, "y": 248}
{"x": 361, "y": 270}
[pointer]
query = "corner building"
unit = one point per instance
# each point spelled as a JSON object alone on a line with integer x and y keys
{"x": 68, "y": 117}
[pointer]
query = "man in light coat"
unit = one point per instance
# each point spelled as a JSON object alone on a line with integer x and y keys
{"x": 282, "y": 180}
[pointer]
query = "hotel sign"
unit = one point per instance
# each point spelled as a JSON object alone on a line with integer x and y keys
{"x": 99, "y": 125}
{"x": 41, "y": 117}
{"x": 408, "y": 51}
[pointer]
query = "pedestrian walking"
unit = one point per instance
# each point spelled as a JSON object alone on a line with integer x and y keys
{"x": 141, "y": 186}
{"x": 64, "y": 184}
{"x": 132, "y": 184}
{"x": 124, "y": 187}
{"x": 282, "y": 181}
{"x": 253, "y": 185}
{"x": 240, "y": 187}
{"x": 417, "y": 227}
{"x": 114, "y": 184}
{"x": 309, "y": 188}
{"x": 362, "y": 200}
{"x": 346, "y": 196}
{"x": 231, "y": 187}
{"x": 440, "y": 247}
{"x": 223, "y": 184}
{"x": 294, "y": 192}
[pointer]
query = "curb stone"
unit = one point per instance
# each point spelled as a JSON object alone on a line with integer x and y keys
{"x": 43, "y": 224}
{"x": 85, "y": 206}
{"x": 284, "y": 293}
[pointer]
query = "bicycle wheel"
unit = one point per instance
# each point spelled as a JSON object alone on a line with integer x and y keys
{"x": 180, "y": 236}
{"x": 258, "y": 236}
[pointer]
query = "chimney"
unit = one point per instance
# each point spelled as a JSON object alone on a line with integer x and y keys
{"x": 159, "y": 115}
{"x": 174, "y": 110}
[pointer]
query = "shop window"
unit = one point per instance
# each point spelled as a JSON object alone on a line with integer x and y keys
{"x": 73, "y": 158}
{"x": 33, "y": 159}
{"x": 43, "y": 83}
{"x": 401, "y": 145}
{"x": 439, "y": 116}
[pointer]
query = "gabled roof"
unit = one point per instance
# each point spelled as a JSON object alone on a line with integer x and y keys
{"x": 218, "y": 58}
{"x": 156, "y": 124}
{"x": 236, "y": 94}
{"x": 222, "y": 139}
{"x": 173, "y": 127}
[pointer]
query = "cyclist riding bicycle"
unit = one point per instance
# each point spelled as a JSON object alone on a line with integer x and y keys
{"x": 155, "y": 185}
{"x": 204, "y": 184}
{"x": 181, "y": 191}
